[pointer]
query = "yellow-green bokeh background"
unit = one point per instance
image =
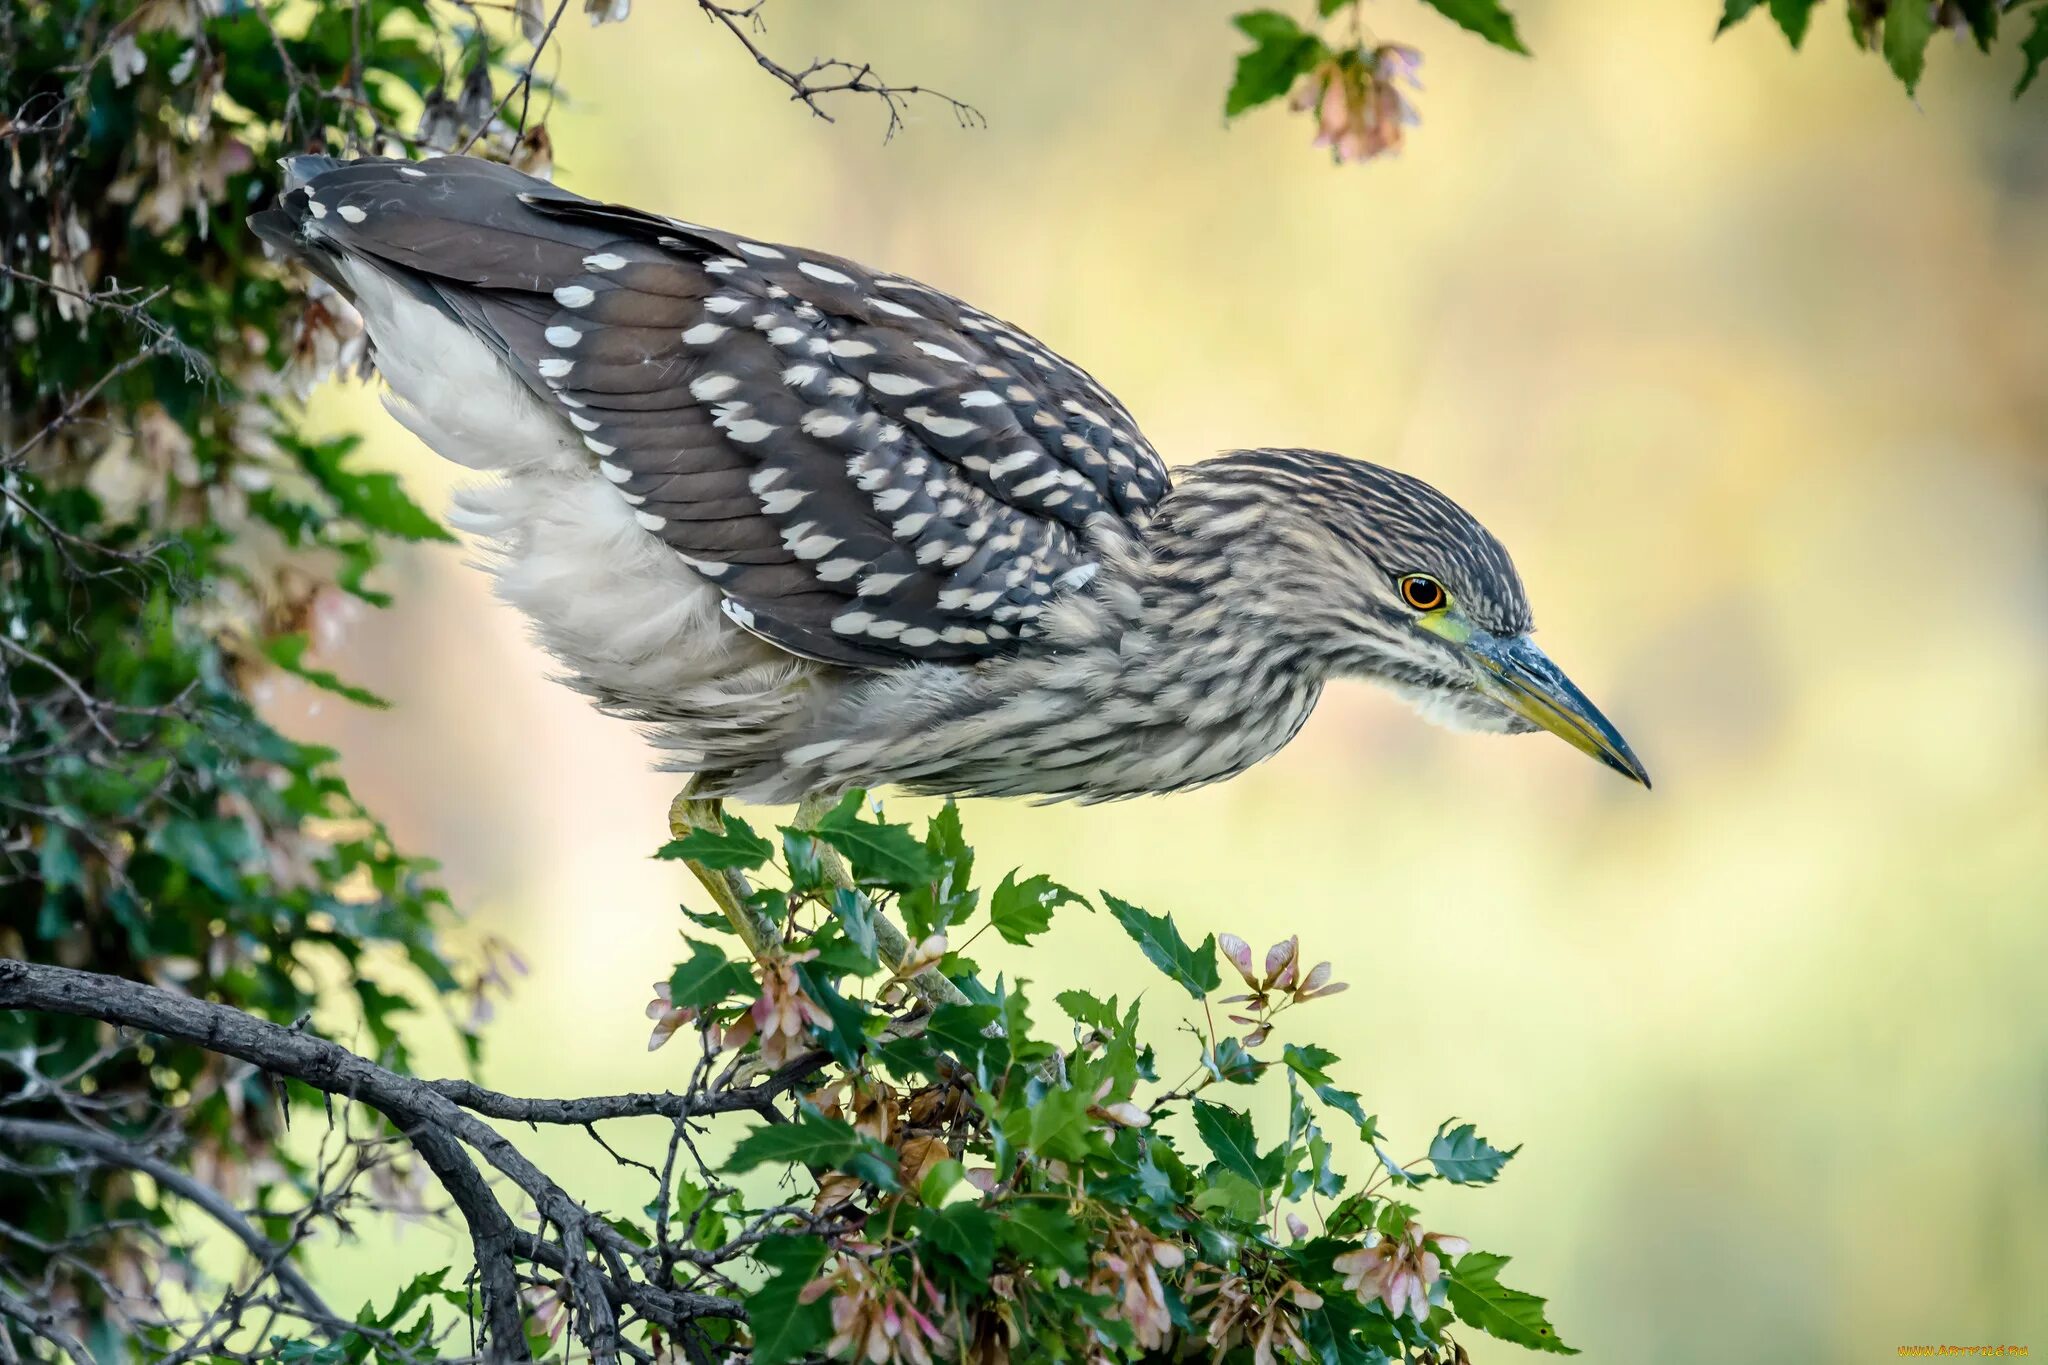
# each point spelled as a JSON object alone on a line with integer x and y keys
{"x": 1744, "y": 355}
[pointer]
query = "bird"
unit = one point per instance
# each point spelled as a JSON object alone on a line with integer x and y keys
{"x": 818, "y": 527}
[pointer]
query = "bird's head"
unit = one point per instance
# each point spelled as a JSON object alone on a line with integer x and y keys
{"x": 1376, "y": 574}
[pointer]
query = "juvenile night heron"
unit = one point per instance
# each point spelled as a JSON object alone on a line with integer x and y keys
{"x": 816, "y": 526}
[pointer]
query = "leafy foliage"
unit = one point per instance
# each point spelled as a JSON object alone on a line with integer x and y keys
{"x": 961, "y": 1186}
{"x": 1901, "y": 31}
{"x": 171, "y": 552}
{"x": 1357, "y": 86}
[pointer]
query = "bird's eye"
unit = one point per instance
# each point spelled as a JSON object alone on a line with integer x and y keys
{"x": 1422, "y": 592}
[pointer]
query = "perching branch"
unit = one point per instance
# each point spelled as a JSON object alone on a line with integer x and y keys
{"x": 610, "y": 1281}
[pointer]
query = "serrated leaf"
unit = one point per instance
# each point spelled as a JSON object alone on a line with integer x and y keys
{"x": 1194, "y": 969}
{"x": 1088, "y": 1011}
{"x": 2034, "y": 48}
{"x": 856, "y": 916}
{"x": 377, "y": 500}
{"x": 846, "y": 1039}
{"x": 1483, "y": 17}
{"x": 1734, "y": 12}
{"x": 1043, "y": 1237}
{"x": 880, "y": 854}
{"x": 1230, "y": 1062}
{"x": 949, "y": 896}
{"x": 1284, "y": 53}
{"x": 1908, "y": 24}
{"x": 1793, "y": 16}
{"x": 1983, "y": 20}
{"x": 966, "y": 1232}
{"x": 707, "y": 978}
{"x": 785, "y": 1328}
{"x": 1060, "y": 1125}
{"x": 1230, "y": 1138}
{"x": 1309, "y": 1063}
{"x": 735, "y": 846}
{"x": 1463, "y": 1157}
{"x": 288, "y": 652}
{"x": 811, "y": 1139}
{"x": 1402, "y": 1175}
{"x": 1020, "y": 910}
{"x": 1479, "y": 1299}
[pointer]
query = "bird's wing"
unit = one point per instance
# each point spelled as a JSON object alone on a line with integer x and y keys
{"x": 870, "y": 470}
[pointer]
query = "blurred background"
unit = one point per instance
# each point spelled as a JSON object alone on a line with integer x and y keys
{"x": 1743, "y": 354}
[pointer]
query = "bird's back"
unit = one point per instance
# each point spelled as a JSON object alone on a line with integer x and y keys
{"x": 868, "y": 471}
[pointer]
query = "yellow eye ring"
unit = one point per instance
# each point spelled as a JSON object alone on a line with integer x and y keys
{"x": 1423, "y": 593}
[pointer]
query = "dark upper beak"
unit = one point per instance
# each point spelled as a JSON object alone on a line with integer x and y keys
{"x": 1522, "y": 678}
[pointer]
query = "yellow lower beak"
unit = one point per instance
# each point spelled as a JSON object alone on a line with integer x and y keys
{"x": 1522, "y": 678}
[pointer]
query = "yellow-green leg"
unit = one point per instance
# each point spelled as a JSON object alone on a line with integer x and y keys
{"x": 728, "y": 886}
{"x": 729, "y": 889}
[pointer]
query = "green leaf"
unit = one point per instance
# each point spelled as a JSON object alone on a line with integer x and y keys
{"x": 1194, "y": 969}
{"x": 1793, "y": 17}
{"x": 1230, "y": 1062}
{"x": 856, "y": 916}
{"x": 785, "y": 1328}
{"x": 1089, "y": 1011}
{"x": 811, "y": 1139}
{"x": 1060, "y": 1126}
{"x": 1983, "y": 19}
{"x": 1480, "y": 1300}
{"x": 1230, "y": 1138}
{"x": 1326, "y": 8}
{"x": 2033, "y": 47}
{"x": 962, "y": 1031}
{"x": 288, "y": 652}
{"x": 1485, "y": 18}
{"x": 736, "y": 846}
{"x": 880, "y": 854}
{"x": 1309, "y": 1063}
{"x": 1463, "y": 1157}
{"x": 1233, "y": 1196}
{"x": 847, "y": 1038}
{"x": 948, "y": 897}
{"x": 967, "y": 1233}
{"x": 707, "y": 978}
{"x": 1733, "y": 12}
{"x": 1283, "y": 54}
{"x": 1020, "y": 910}
{"x": 1043, "y": 1237}
{"x": 376, "y": 500}
{"x": 1908, "y": 24}
{"x": 939, "y": 1179}
{"x": 211, "y": 851}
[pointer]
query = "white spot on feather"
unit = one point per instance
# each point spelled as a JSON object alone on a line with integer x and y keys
{"x": 938, "y": 352}
{"x": 704, "y": 333}
{"x": 351, "y": 214}
{"x": 824, "y": 272}
{"x": 564, "y": 337}
{"x": 574, "y": 295}
{"x": 604, "y": 260}
{"x": 712, "y": 386}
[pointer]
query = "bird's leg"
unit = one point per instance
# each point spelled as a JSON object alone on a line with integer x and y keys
{"x": 728, "y": 886}
{"x": 895, "y": 946}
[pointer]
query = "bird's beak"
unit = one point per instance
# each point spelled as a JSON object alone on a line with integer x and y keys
{"x": 1521, "y": 677}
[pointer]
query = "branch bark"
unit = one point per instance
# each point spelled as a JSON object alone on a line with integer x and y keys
{"x": 441, "y": 1120}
